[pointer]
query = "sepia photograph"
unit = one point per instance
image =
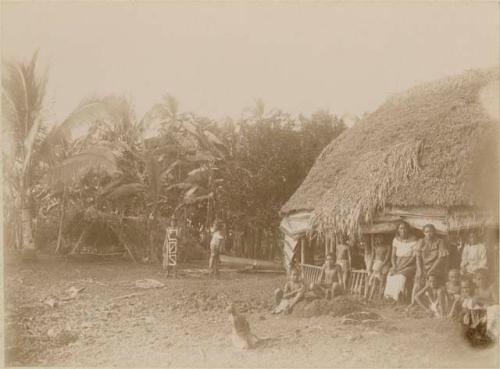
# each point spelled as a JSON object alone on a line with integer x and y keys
{"x": 217, "y": 184}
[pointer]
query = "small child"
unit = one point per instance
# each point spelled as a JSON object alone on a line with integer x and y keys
{"x": 486, "y": 296}
{"x": 293, "y": 292}
{"x": 462, "y": 302}
{"x": 453, "y": 284}
{"x": 484, "y": 291}
{"x": 435, "y": 297}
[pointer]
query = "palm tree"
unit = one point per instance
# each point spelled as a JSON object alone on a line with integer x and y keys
{"x": 23, "y": 92}
{"x": 23, "y": 95}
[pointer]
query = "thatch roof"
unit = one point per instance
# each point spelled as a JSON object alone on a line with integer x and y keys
{"x": 432, "y": 146}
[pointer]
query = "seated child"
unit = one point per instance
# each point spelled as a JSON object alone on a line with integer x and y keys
{"x": 486, "y": 296}
{"x": 293, "y": 292}
{"x": 484, "y": 291}
{"x": 431, "y": 297}
{"x": 330, "y": 280}
{"x": 453, "y": 283}
{"x": 470, "y": 311}
{"x": 452, "y": 289}
{"x": 379, "y": 268}
{"x": 462, "y": 302}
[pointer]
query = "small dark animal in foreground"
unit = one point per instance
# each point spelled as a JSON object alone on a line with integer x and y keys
{"x": 241, "y": 336}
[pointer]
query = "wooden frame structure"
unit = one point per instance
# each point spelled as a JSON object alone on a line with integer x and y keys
{"x": 170, "y": 246}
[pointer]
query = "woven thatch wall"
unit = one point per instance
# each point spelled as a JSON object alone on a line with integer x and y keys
{"x": 432, "y": 146}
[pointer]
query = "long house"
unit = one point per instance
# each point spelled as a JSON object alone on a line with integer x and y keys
{"x": 427, "y": 155}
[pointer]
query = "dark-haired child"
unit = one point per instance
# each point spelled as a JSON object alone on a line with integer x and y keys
{"x": 431, "y": 297}
{"x": 293, "y": 292}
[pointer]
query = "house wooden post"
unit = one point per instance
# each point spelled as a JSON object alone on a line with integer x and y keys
{"x": 302, "y": 250}
{"x": 327, "y": 246}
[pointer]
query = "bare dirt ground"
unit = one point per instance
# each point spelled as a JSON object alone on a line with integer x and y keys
{"x": 185, "y": 323}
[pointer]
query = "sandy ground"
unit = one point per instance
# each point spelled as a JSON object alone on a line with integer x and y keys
{"x": 185, "y": 324}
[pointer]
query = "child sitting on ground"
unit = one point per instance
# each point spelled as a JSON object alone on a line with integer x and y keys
{"x": 452, "y": 289}
{"x": 486, "y": 296}
{"x": 462, "y": 302}
{"x": 453, "y": 283}
{"x": 484, "y": 291}
{"x": 431, "y": 297}
{"x": 293, "y": 292}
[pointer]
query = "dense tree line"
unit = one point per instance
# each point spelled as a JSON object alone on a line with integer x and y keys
{"x": 84, "y": 178}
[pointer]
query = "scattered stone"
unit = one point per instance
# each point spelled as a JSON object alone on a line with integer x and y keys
{"x": 363, "y": 316}
{"x": 50, "y": 301}
{"x": 72, "y": 293}
{"x": 354, "y": 338}
{"x": 149, "y": 283}
{"x": 52, "y": 332}
{"x": 86, "y": 325}
{"x": 66, "y": 337}
{"x": 348, "y": 321}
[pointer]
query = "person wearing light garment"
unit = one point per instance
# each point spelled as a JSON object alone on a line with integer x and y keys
{"x": 403, "y": 263}
{"x": 216, "y": 244}
{"x": 473, "y": 256}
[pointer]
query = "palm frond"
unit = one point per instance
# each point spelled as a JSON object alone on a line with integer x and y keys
{"x": 180, "y": 186}
{"x": 164, "y": 175}
{"x": 23, "y": 94}
{"x": 86, "y": 113}
{"x": 201, "y": 156}
{"x": 196, "y": 199}
{"x": 198, "y": 174}
{"x": 126, "y": 190}
{"x": 98, "y": 158}
{"x": 190, "y": 192}
{"x": 213, "y": 138}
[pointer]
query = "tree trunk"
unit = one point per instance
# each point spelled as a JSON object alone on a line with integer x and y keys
{"x": 151, "y": 239}
{"x": 79, "y": 242}
{"x": 61, "y": 221}
{"x": 28, "y": 244}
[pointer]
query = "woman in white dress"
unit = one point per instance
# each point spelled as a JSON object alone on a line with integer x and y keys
{"x": 403, "y": 263}
{"x": 473, "y": 256}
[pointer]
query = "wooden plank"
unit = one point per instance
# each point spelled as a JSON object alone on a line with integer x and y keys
{"x": 378, "y": 228}
{"x": 79, "y": 242}
{"x": 418, "y": 211}
{"x": 441, "y": 225}
{"x": 302, "y": 251}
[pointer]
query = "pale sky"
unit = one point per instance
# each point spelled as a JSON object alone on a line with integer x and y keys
{"x": 217, "y": 58}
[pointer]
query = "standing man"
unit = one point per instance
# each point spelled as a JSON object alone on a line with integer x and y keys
{"x": 216, "y": 246}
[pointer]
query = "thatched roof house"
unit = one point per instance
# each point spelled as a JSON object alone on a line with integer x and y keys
{"x": 427, "y": 155}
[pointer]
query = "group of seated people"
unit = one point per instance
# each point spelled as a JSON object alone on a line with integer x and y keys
{"x": 414, "y": 271}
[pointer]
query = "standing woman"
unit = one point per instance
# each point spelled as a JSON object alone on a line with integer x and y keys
{"x": 216, "y": 244}
{"x": 432, "y": 255}
{"x": 403, "y": 263}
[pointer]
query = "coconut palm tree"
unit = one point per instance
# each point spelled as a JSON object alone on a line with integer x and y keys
{"x": 23, "y": 96}
{"x": 23, "y": 93}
